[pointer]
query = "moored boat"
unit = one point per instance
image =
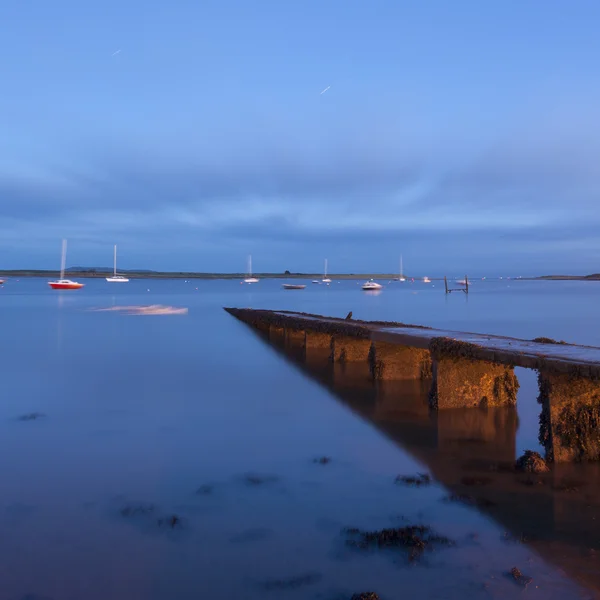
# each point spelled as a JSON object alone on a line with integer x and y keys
{"x": 371, "y": 285}
{"x": 116, "y": 278}
{"x": 65, "y": 284}
{"x": 62, "y": 283}
{"x": 293, "y": 286}
{"x": 249, "y": 278}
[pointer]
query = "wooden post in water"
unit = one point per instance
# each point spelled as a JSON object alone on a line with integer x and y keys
{"x": 446, "y": 284}
{"x": 466, "y": 285}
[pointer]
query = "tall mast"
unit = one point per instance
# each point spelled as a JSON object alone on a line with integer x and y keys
{"x": 115, "y": 262}
{"x": 249, "y": 265}
{"x": 63, "y": 259}
{"x": 325, "y": 276}
{"x": 401, "y": 268}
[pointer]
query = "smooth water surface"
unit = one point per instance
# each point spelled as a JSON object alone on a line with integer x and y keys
{"x": 173, "y": 456}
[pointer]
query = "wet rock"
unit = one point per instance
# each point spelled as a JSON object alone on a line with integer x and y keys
{"x": 292, "y": 582}
{"x": 32, "y": 416}
{"x": 417, "y": 480}
{"x": 365, "y": 596}
{"x": 475, "y": 481}
{"x": 323, "y": 460}
{"x": 547, "y": 340}
{"x": 531, "y": 462}
{"x": 519, "y": 578}
{"x": 469, "y": 500}
{"x": 414, "y": 538}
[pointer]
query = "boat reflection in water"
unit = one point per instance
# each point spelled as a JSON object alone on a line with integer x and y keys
{"x": 472, "y": 453}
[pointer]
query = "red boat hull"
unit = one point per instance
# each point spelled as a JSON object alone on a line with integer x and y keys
{"x": 65, "y": 286}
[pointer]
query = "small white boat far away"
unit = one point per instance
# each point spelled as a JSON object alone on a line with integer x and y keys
{"x": 293, "y": 286}
{"x": 249, "y": 278}
{"x": 116, "y": 278}
{"x": 62, "y": 283}
{"x": 371, "y": 285}
{"x": 325, "y": 278}
{"x": 401, "y": 278}
{"x": 426, "y": 280}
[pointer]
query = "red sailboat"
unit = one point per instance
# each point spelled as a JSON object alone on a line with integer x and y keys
{"x": 62, "y": 283}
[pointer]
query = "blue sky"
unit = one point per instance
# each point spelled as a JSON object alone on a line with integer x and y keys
{"x": 464, "y": 135}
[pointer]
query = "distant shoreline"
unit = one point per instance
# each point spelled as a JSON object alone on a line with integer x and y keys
{"x": 132, "y": 274}
{"x": 594, "y": 277}
{"x": 94, "y": 274}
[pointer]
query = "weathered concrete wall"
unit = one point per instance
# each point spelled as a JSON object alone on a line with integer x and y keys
{"x": 349, "y": 349}
{"x": 294, "y": 337}
{"x": 462, "y": 383}
{"x": 570, "y": 417}
{"x": 318, "y": 343}
{"x": 394, "y": 362}
{"x": 276, "y": 334}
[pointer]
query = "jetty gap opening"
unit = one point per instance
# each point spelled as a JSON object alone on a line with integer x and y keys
{"x": 465, "y": 370}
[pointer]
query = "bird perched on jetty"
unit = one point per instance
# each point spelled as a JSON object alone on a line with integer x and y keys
{"x": 349, "y": 316}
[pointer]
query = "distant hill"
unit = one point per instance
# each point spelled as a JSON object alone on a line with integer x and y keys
{"x": 571, "y": 277}
{"x": 105, "y": 270}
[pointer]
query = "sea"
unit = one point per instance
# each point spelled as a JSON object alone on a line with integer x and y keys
{"x": 185, "y": 456}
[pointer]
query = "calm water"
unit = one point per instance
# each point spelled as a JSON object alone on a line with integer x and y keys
{"x": 196, "y": 416}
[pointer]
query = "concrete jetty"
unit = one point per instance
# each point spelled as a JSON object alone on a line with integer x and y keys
{"x": 465, "y": 370}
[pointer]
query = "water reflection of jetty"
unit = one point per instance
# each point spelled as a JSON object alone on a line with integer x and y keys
{"x": 471, "y": 451}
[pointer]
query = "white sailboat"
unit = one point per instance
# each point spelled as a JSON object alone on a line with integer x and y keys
{"x": 325, "y": 278}
{"x": 249, "y": 278}
{"x": 401, "y": 278}
{"x": 116, "y": 278}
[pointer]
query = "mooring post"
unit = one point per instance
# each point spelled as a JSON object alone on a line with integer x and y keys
{"x": 466, "y": 285}
{"x": 446, "y": 283}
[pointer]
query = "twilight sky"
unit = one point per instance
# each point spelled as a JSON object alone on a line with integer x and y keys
{"x": 463, "y": 134}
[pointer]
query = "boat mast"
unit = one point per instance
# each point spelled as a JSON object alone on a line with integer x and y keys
{"x": 115, "y": 263}
{"x": 325, "y": 275}
{"x": 249, "y": 265}
{"x": 63, "y": 259}
{"x": 401, "y": 268}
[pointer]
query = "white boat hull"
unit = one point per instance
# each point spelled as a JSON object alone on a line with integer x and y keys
{"x": 117, "y": 279}
{"x": 371, "y": 286}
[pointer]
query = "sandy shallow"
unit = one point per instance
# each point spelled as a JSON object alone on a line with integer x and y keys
{"x": 153, "y": 309}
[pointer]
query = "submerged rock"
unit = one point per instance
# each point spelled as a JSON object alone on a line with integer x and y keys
{"x": 322, "y": 460}
{"x": 32, "y": 416}
{"x": 413, "y": 538}
{"x": 417, "y": 480}
{"x": 365, "y": 596}
{"x": 519, "y": 578}
{"x": 531, "y": 462}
